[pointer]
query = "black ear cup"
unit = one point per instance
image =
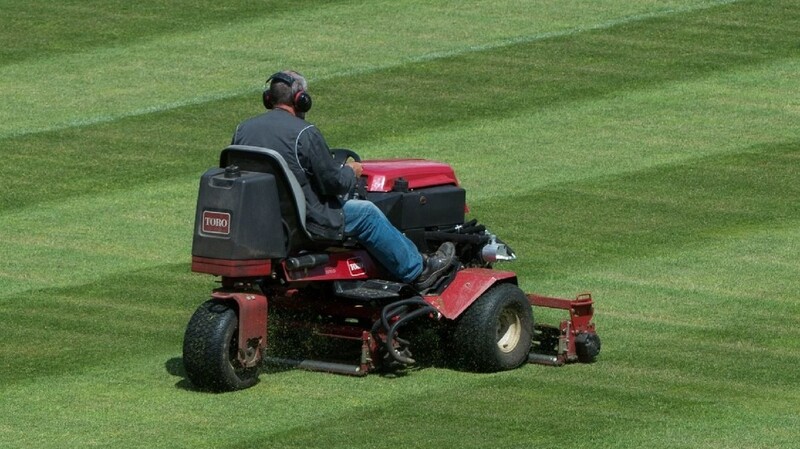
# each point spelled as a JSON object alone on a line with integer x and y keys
{"x": 301, "y": 101}
{"x": 267, "y": 101}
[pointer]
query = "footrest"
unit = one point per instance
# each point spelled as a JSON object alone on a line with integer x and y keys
{"x": 370, "y": 289}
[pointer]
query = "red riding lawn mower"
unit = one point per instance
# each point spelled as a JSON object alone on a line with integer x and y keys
{"x": 250, "y": 230}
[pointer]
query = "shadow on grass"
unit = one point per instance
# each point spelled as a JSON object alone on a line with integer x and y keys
{"x": 174, "y": 367}
{"x": 290, "y": 350}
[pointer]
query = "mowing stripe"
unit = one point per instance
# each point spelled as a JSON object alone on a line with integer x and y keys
{"x": 88, "y": 225}
{"x": 553, "y": 34}
{"x": 66, "y": 96}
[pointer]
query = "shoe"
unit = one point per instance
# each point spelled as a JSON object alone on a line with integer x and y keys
{"x": 435, "y": 266}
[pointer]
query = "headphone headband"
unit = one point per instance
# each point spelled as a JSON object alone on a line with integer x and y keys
{"x": 281, "y": 77}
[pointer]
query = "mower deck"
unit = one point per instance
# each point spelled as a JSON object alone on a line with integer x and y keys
{"x": 572, "y": 340}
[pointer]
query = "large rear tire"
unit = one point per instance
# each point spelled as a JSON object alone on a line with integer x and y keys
{"x": 494, "y": 333}
{"x": 210, "y": 347}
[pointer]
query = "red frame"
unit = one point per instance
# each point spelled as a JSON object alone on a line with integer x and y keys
{"x": 339, "y": 267}
{"x": 465, "y": 288}
{"x": 581, "y": 312}
{"x": 253, "y": 320}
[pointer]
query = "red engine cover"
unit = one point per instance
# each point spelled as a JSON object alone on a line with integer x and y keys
{"x": 420, "y": 173}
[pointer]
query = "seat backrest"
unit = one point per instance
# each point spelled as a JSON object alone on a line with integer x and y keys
{"x": 292, "y": 199}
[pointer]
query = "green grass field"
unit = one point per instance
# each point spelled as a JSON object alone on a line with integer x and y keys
{"x": 646, "y": 151}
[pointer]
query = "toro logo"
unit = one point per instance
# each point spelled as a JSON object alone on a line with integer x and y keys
{"x": 356, "y": 267}
{"x": 216, "y": 222}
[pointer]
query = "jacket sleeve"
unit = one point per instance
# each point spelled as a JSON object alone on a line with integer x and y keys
{"x": 330, "y": 178}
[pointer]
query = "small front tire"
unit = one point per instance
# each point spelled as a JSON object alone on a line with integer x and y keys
{"x": 210, "y": 347}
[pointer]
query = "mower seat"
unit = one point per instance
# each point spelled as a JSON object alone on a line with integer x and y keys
{"x": 291, "y": 196}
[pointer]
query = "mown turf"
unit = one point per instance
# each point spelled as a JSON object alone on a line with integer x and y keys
{"x": 40, "y": 29}
{"x": 514, "y": 80}
{"x": 213, "y": 60}
{"x": 653, "y": 162}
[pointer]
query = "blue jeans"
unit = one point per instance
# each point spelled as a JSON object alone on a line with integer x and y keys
{"x": 396, "y": 253}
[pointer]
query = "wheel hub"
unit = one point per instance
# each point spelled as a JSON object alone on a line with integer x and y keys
{"x": 509, "y": 330}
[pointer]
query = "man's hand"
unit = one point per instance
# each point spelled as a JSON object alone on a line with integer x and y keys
{"x": 356, "y": 166}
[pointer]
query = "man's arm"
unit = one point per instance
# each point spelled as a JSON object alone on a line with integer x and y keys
{"x": 329, "y": 176}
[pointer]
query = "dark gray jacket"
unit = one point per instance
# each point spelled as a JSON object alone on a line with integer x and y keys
{"x": 302, "y": 146}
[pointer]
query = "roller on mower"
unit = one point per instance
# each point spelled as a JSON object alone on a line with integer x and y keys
{"x": 250, "y": 232}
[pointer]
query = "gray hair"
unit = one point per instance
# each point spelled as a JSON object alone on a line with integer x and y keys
{"x": 300, "y": 82}
{"x": 280, "y": 93}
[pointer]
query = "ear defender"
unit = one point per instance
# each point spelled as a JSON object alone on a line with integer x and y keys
{"x": 301, "y": 100}
{"x": 265, "y": 98}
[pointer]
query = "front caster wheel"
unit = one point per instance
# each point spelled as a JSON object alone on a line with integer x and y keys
{"x": 587, "y": 345}
{"x": 210, "y": 347}
{"x": 494, "y": 334}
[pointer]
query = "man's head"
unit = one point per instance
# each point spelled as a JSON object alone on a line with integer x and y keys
{"x": 287, "y": 88}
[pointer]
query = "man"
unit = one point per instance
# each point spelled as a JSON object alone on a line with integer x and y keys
{"x": 283, "y": 128}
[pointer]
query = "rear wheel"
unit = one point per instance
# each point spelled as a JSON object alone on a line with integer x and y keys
{"x": 210, "y": 347}
{"x": 494, "y": 334}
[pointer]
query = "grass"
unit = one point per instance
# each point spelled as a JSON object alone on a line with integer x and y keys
{"x": 646, "y": 151}
{"x": 208, "y": 56}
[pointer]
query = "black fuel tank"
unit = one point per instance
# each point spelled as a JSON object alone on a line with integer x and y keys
{"x": 426, "y": 208}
